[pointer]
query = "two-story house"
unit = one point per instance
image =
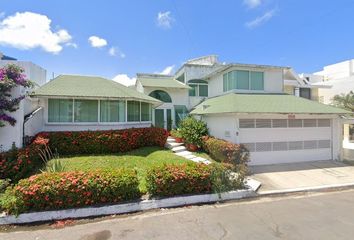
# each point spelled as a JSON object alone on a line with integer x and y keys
{"x": 248, "y": 104}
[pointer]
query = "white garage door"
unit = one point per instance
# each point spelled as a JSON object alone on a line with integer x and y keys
{"x": 272, "y": 141}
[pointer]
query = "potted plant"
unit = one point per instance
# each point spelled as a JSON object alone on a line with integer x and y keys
{"x": 177, "y": 135}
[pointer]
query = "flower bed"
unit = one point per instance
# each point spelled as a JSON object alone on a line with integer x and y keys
{"x": 173, "y": 180}
{"x": 49, "y": 191}
{"x": 101, "y": 142}
{"x": 18, "y": 164}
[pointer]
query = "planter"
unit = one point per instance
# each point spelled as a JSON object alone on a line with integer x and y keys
{"x": 178, "y": 140}
{"x": 192, "y": 147}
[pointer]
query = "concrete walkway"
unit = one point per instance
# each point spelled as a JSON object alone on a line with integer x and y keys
{"x": 302, "y": 175}
{"x": 180, "y": 150}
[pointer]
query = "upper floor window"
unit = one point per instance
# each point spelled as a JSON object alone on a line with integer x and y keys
{"x": 199, "y": 88}
{"x": 243, "y": 80}
{"x": 161, "y": 95}
{"x": 305, "y": 93}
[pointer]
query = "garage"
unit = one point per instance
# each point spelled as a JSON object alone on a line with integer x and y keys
{"x": 276, "y": 128}
{"x": 272, "y": 141}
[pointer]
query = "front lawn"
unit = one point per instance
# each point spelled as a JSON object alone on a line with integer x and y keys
{"x": 140, "y": 159}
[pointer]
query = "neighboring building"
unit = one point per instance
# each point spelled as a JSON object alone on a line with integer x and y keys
{"x": 337, "y": 78}
{"x": 14, "y": 134}
{"x": 247, "y": 103}
{"x": 77, "y": 103}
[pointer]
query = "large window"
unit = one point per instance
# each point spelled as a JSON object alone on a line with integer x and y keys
{"x": 145, "y": 112}
{"x": 112, "y": 111}
{"x": 133, "y": 109}
{"x": 161, "y": 95}
{"x": 199, "y": 88}
{"x": 86, "y": 110}
{"x": 99, "y": 111}
{"x": 243, "y": 80}
{"x": 60, "y": 110}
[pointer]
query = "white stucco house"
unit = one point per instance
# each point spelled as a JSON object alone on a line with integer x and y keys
{"x": 252, "y": 104}
{"x": 260, "y": 106}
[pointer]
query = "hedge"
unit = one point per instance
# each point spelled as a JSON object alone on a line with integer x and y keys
{"x": 17, "y": 164}
{"x": 226, "y": 152}
{"x": 49, "y": 191}
{"x": 102, "y": 142}
{"x": 191, "y": 178}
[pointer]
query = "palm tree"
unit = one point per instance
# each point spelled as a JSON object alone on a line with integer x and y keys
{"x": 345, "y": 101}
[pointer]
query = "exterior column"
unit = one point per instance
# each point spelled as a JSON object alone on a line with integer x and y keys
{"x": 297, "y": 92}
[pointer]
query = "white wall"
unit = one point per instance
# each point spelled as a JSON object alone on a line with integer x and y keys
{"x": 10, "y": 134}
{"x": 339, "y": 86}
{"x": 222, "y": 126}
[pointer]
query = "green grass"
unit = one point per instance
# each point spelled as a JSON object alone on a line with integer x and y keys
{"x": 140, "y": 159}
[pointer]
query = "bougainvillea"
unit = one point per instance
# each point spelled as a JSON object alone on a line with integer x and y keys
{"x": 11, "y": 77}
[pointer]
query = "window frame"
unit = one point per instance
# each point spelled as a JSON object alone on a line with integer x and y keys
{"x": 196, "y": 83}
{"x": 99, "y": 122}
{"x": 229, "y": 77}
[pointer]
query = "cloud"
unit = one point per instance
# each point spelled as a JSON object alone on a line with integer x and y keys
{"x": 73, "y": 45}
{"x": 2, "y": 14}
{"x": 97, "y": 42}
{"x": 28, "y": 30}
{"x": 261, "y": 19}
{"x": 165, "y": 20}
{"x": 114, "y": 51}
{"x": 252, "y": 3}
{"x": 124, "y": 79}
{"x": 167, "y": 70}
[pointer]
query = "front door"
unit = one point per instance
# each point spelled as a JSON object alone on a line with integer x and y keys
{"x": 159, "y": 118}
{"x": 163, "y": 118}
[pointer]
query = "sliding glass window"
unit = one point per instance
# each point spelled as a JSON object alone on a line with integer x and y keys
{"x": 112, "y": 111}
{"x": 133, "y": 109}
{"x": 86, "y": 110}
{"x": 243, "y": 80}
{"x": 60, "y": 110}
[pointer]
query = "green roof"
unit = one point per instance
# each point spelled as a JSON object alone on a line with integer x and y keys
{"x": 264, "y": 103}
{"x": 161, "y": 81}
{"x": 89, "y": 87}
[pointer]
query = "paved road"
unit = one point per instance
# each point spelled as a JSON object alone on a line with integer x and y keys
{"x": 316, "y": 216}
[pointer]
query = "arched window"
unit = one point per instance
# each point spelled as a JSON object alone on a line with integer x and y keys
{"x": 161, "y": 95}
{"x": 199, "y": 88}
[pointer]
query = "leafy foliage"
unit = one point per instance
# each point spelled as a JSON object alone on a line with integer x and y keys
{"x": 48, "y": 191}
{"x": 190, "y": 178}
{"x": 345, "y": 101}
{"x": 192, "y": 130}
{"x": 11, "y": 76}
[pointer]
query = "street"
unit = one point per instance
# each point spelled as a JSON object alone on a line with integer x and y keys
{"x": 304, "y": 216}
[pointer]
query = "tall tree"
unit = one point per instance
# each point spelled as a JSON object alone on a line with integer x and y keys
{"x": 11, "y": 76}
{"x": 345, "y": 101}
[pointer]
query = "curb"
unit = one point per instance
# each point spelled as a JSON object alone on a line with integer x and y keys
{"x": 125, "y": 207}
{"x": 306, "y": 189}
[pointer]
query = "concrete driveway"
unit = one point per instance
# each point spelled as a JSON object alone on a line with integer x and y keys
{"x": 302, "y": 175}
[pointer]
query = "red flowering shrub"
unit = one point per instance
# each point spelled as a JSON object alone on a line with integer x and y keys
{"x": 18, "y": 164}
{"x": 225, "y": 152}
{"x": 101, "y": 142}
{"x": 49, "y": 191}
{"x": 191, "y": 178}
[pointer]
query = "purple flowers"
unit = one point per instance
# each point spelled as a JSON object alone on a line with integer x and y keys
{"x": 11, "y": 76}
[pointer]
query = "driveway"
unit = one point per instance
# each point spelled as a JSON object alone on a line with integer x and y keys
{"x": 298, "y": 175}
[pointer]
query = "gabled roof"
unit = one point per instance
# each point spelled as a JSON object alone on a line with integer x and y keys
{"x": 264, "y": 103}
{"x": 160, "y": 81}
{"x": 89, "y": 87}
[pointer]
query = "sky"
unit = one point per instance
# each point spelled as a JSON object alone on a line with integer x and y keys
{"x": 117, "y": 39}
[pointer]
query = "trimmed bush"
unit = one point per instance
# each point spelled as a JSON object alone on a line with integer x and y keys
{"x": 192, "y": 178}
{"x": 102, "y": 142}
{"x": 20, "y": 163}
{"x": 192, "y": 130}
{"x": 50, "y": 191}
{"x": 225, "y": 152}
